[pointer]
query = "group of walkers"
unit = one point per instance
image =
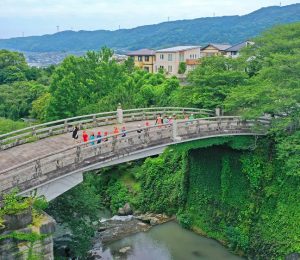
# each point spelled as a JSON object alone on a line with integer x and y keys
{"x": 99, "y": 137}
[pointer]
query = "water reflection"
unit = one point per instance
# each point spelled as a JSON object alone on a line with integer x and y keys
{"x": 168, "y": 242}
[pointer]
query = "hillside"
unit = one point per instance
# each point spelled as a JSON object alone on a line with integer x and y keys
{"x": 229, "y": 29}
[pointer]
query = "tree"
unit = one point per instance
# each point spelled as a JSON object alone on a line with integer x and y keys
{"x": 213, "y": 79}
{"x": 182, "y": 68}
{"x": 12, "y": 66}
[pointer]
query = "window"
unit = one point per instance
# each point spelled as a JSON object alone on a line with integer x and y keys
{"x": 161, "y": 56}
{"x": 181, "y": 57}
{"x": 140, "y": 58}
{"x": 146, "y": 69}
{"x": 170, "y": 57}
{"x": 161, "y": 67}
{"x": 155, "y": 68}
{"x": 169, "y": 68}
{"x": 146, "y": 58}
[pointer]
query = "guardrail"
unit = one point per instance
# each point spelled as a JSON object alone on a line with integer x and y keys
{"x": 36, "y": 132}
{"x": 42, "y": 169}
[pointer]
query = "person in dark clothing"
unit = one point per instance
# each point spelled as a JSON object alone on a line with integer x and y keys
{"x": 75, "y": 133}
{"x": 99, "y": 138}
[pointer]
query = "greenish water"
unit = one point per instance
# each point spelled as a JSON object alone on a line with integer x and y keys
{"x": 168, "y": 241}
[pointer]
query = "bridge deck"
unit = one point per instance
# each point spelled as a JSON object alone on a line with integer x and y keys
{"x": 19, "y": 154}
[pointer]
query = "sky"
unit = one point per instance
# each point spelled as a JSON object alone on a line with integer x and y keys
{"x": 37, "y": 17}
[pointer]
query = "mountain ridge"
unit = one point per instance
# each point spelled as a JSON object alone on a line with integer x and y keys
{"x": 198, "y": 31}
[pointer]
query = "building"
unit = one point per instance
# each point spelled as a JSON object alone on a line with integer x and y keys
{"x": 214, "y": 49}
{"x": 234, "y": 50}
{"x": 143, "y": 59}
{"x": 169, "y": 59}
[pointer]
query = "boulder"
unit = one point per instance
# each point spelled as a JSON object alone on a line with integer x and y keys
{"x": 124, "y": 250}
{"x": 125, "y": 210}
{"x": 19, "y": 220}
{"x": 121, "y": 212}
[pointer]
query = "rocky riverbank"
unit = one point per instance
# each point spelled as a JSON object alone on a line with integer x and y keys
{"x": 121, "y": 226}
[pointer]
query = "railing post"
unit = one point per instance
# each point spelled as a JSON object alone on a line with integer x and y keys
{"x": 66, "y": 126}
{"x": 175, "y": 136}
{"x": 33, "y": 131}
{"x": 38, "y": 168}
{"x": 78, "y": 153}
{"x": 119, "y": 114}
{"x": 94, "y": 121}
{"x": 218, "y": 111}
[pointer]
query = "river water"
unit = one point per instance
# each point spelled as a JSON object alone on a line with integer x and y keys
{"x": 165, "y": 242}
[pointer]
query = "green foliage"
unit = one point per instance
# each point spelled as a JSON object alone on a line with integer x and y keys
{"x": 13, "y": 204}
{"x": 182, "y": 68}
{"x": 8, "y": 125}
{"x": 77, "y": 209}
{"x": 16, "y": 99}
{"x": 212, "y": 81}
{"x": 12, "y": 66}
{"x": 118, "y": 195}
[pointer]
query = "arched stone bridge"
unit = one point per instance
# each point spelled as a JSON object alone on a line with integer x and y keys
{"x": 43, "y": 157}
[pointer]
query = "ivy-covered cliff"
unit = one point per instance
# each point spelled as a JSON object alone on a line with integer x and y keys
{"x": 232, "y": 189}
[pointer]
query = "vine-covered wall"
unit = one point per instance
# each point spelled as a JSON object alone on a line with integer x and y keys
{"x": 232, "y": 189}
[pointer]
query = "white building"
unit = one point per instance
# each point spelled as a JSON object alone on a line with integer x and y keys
{"x": 170, "y": 58}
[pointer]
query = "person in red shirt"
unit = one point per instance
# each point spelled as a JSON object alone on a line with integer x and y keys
{"x": 85, "y": 136}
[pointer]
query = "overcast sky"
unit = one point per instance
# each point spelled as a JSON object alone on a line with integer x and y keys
{"x": 37, "y": 17}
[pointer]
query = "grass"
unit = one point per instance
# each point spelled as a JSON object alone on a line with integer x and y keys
{"x": 8, "y": 125}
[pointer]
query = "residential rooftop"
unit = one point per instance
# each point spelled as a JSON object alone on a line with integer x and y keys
{"x": 220, "y": 47}
{"x": 142, "y": 52}
{"x": 178, "y": 48}
{"x": 239, "y": 46}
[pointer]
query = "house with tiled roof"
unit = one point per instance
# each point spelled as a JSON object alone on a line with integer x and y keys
{"x": 234, "y": 50}
{"x": 213, "y": 49}
{"x": 144, "y": 59}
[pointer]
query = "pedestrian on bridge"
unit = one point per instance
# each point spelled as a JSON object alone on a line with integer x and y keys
{"x": 105, "y": 139}
{"x": 75, "y": 133}
{"x": 92, "y": 138}
{"x": 85, "y": 136}
{"x": 159, "y": 121}
{"x": 123, "y": 130}
{"x": 99, "y": 137}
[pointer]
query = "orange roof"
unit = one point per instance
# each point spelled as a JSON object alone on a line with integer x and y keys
{"x": 192, "y": 62}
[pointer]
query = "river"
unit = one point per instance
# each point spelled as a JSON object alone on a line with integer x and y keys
{"x": 165, "y": 242}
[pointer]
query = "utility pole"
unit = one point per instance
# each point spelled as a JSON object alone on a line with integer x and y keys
{"x": 119, "y": 27}
{"x": 168, "y": 18}
{"x": 57, "y": 28}
{"x": 280, "y": 4}
{"x": 214, "y": 14}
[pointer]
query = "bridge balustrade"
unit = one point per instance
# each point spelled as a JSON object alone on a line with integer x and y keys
{"x": 37, "y": 132}
{"x": 82, "y": 156}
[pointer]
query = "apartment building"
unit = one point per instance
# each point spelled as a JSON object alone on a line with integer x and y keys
{"x": 144, "y": 59}
{"x": 169, "y": 59}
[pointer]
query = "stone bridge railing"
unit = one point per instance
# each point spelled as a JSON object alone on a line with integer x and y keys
{"x": 35, "y": 172}
{"x": 36, "y": 132}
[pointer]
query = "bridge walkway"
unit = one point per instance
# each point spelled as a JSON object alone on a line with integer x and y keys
{"x": 28, "y": 151}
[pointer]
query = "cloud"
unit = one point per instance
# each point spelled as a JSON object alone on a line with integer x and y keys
{"x": 37, "y": 16}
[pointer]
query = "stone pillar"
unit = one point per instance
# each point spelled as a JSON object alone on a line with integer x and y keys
{"x": 175, "y": 136}
{"x": 119, "y": 114}
{"x": 218, "y": 111}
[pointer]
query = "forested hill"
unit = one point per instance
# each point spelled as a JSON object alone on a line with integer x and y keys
{"x": 227, "y": 29}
